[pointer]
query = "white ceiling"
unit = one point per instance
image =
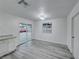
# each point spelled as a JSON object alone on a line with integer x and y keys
{"x": 53, "y": 8}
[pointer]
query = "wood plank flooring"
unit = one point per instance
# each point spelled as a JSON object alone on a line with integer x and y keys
{"x": 41, "y": 50}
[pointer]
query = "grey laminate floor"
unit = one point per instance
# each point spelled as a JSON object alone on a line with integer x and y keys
{"x": 41, "y": 50}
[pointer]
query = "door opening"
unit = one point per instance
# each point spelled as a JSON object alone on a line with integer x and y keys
{"x": 25, "y": 31}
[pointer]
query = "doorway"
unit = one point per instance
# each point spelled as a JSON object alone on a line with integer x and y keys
{"x": 25, "y": 31}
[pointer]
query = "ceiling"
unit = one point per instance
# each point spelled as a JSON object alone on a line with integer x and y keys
{"x": 52, "y": 8}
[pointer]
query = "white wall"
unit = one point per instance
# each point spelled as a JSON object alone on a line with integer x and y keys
{"x": 69, "y": 26}
{"x": 10, "y": 24}
{"x": 59, "y": 31}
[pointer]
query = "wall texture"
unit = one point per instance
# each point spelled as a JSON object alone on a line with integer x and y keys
{"x": 58, "y": 34}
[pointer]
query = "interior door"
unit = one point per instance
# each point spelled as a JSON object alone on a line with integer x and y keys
{"x": 76, "y": 37}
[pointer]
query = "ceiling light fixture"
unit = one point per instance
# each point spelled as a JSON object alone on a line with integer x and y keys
{"x": 42, "y": 16}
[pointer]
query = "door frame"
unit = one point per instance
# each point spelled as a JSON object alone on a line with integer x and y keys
{"x": 72, "y": 31}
